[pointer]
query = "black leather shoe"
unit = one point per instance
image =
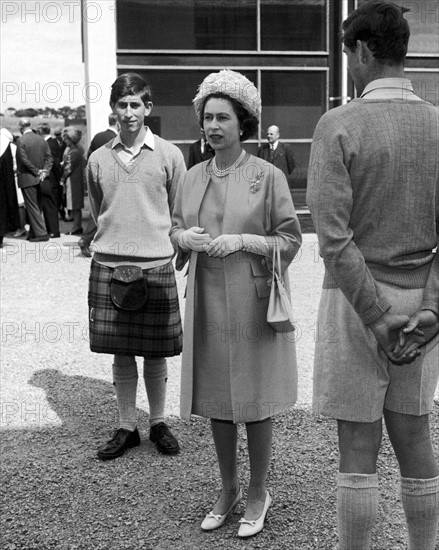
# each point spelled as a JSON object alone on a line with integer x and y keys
{"x": 54, "y": 235}
{"x": 76, "y": 232}
{"x": 165, "y": 442}
{"x": 121, "y": 441}
{"x": 85, "y": 250}
{"x": 39, "y": 239}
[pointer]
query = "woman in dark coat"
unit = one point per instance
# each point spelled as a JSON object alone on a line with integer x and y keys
{"x": 73, "y": 177}
{"x": 9, "y": 213}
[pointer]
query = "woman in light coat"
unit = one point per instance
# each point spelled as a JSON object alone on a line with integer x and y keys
{"x": 230, "y": 214}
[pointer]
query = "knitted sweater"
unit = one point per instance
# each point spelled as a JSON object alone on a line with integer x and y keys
{"x": 373, "y": 192}
{"x": 132, "y": 204}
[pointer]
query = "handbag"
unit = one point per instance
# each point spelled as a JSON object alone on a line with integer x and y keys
{"x": 279, "y": 313}
{"x": 128, "y": 288}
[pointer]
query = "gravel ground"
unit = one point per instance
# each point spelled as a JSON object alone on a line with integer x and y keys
{"x": 58, "y": 406}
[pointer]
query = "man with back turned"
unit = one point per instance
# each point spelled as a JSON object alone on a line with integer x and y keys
{"x": 373, "y": 192}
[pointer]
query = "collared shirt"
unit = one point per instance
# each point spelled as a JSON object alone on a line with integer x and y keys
{"x": 126, "y": 154}
{"x": 390, "y": 88}
{"x": 273, "y": 146}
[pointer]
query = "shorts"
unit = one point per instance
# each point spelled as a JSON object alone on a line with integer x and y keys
{"x": 353, "y": 378}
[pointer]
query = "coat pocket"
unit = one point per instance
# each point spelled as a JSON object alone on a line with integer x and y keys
{"x": 262, "y": 278}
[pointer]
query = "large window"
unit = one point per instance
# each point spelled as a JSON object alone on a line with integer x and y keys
{"x": 293, "y": 100}
{"x": 187, "y": 24}
{"x": 209, "y": 25}
{"x": 294, "y": 26}
{"x": 423, "y": 18}
{"x": 282, "y": 46}
{"x": 422, "y": 66}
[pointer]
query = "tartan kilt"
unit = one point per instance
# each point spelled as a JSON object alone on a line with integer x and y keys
{"x": 152, "y": 331}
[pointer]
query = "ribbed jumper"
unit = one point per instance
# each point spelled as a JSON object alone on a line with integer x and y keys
{"x": 373, "y": 192}
{"x": 133, "y": 203}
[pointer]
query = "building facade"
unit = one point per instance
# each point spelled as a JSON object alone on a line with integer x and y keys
{"x": 290, "y": 49}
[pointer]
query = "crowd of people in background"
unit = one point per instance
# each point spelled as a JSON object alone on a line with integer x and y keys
{"x": 42, "y": 177}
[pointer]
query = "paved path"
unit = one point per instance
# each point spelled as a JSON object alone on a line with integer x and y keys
{"x": 44, "y": 324}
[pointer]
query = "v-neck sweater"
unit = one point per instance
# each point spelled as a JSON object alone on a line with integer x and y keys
{"x": 132, "y": 203}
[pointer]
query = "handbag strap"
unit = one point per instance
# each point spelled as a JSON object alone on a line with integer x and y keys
{"x": 277, "y": 266}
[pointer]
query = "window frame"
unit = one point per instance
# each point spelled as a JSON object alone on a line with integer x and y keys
{"x": 257, "y": 52}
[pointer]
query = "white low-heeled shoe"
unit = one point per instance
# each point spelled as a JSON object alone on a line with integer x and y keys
{"x": 250, "y": 527}
{"x": 213, "y": 521}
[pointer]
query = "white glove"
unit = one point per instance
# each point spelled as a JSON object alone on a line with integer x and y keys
{"x": 224, "y": 245}
{"x": 194, "y": 239}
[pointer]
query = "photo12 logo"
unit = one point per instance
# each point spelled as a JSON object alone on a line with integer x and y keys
{"x": 50, "y": 92}
{"x": 53, "y": 12}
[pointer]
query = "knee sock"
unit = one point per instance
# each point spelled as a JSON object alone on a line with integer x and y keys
{"x": 420, "y": 499}
{"x": 125, "y": 383}
{"x": 155, "y": 374}
{"x": 357, "y": 507}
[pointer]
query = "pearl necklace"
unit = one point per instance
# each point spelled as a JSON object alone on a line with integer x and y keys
{"x": 222, "y": 173}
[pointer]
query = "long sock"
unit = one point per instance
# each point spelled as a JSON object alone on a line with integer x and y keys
{"x": 420, "y": 499}
{"x": 155, "y": 374}
{"x": 357, "y": 507}
{"x": 125, "y": 383}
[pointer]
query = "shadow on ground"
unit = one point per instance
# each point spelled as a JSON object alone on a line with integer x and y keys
{"x": 58, "y": 495}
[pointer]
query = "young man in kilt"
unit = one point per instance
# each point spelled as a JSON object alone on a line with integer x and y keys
{"x": 132, "y": 181}
{"x": 373, "y": 192}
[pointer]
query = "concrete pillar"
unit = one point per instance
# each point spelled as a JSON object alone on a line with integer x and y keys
{"x": 99, "y": 47}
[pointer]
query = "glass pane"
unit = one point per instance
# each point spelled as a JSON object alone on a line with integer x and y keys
{"x": 293, "y": 25}
{"x": 423, "y": 19}
{"x": 301, "y": 154}
{"x": 186, "y": 24}
{"x": 294, "y": 101}
{"x": 426, "y": 85}
{"x": 173, "y": 116}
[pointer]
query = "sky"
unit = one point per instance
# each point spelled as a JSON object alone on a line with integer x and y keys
{"x": 41, "y": 54}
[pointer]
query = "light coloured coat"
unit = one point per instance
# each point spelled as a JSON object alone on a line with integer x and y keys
{"x": 259, "y": 207}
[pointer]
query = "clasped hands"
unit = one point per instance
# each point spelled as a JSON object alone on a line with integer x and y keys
{"x": 42, "y": 175}
{"x": 400, "y": 336}
{"x": 194, "y": 238}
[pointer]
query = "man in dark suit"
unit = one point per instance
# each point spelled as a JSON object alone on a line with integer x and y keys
{"x": 57, "y": 149}
{"x": 100, "y": 139}
{"x": 199, "y": 150}
{"x": 278, "y": 153}
{"x": 50, "y": 186}
{"x": 34, "y": 162}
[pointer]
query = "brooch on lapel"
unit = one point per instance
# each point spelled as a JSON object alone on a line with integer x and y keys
{"x": 255, "y": 183}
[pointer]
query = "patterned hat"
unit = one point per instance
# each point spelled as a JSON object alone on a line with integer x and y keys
{"x": 232, "y": 84}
